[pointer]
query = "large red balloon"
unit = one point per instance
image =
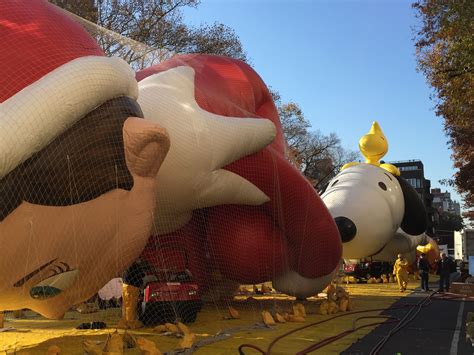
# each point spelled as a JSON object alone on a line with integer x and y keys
{"x": 294, "y": 230}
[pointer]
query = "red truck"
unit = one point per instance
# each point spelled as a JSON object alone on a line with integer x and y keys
{"x": 363, "y": 270}
{"x": 174, "y": 297}
{"x": 168, "y": 292}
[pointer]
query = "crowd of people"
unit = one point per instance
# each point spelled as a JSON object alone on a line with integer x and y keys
{"x": 445, "y": 266}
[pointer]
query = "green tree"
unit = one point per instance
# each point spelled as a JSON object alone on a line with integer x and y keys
{"x": 445, "y": 52}
{"x": 450, "y": 222}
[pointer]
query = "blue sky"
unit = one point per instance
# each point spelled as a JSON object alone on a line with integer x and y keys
{"x": 346, "y": 63}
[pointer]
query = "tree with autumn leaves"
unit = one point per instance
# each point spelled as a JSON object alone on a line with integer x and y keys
{"x": 445, "y": 53}
{"x": 318, "y": 156}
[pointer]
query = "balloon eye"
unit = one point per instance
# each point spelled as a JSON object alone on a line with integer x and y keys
{"x": 383, "y": 186}
{"x": 54, "y": 285}
{"x": 44, "y": 292}
{"x": 335, "y": 182}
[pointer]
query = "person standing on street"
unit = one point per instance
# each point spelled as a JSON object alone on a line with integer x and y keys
{"x": 400, "y": 269}
{"x": 424, "y": 268}
{"x": 445, "y": 267}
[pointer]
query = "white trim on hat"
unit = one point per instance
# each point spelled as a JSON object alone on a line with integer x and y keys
{"x": 33, "y": 117}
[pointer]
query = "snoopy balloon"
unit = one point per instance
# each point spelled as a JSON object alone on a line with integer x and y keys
{"x": 377, "y": 212}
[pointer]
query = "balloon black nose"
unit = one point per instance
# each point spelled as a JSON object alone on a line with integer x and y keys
{"x": 347, "y": 228}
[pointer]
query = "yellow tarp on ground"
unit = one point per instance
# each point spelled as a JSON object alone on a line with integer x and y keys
{"x": 35, "y": 334}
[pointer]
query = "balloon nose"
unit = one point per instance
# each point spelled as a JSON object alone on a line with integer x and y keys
{"x": 347, "y": 228}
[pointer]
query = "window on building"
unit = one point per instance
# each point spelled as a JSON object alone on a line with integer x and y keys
{"x": 415, "y": 183}
{"x": 408, "y": 168}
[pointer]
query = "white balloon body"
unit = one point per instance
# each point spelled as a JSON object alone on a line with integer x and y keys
{"x": 373, "y": 200}
{"x": 401, "y": 243}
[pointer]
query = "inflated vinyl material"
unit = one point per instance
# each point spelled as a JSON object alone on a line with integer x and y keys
{"x": 78, "y": 163}
{"x": 259, "y": 219}
{"x": 176, "y": 176}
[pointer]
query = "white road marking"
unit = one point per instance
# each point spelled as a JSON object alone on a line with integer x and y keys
{"x": 457, "y": 331}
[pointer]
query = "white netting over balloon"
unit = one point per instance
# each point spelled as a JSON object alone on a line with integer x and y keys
{"x": 143, "y": 55}
{"x": 164, "y": 195}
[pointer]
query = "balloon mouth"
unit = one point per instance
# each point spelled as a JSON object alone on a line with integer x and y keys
{"x": 44, "y": 292}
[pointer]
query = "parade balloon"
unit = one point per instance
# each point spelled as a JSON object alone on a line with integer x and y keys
{"x": 378, "y": 213}
{"x": 431, "y": 250}
{"x": 228, "y": 194}
{"x": 78, "y": 163}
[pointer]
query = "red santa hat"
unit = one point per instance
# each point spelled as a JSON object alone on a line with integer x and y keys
{"x": 52, "y": 74}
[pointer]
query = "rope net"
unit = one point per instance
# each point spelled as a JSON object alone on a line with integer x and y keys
{"x": 123, "y": 47}
{"x": 149, "y": 197}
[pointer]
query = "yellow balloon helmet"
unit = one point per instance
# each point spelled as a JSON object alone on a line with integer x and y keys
{"x": 392, "y": 169}
{"x": 348, "y": 165}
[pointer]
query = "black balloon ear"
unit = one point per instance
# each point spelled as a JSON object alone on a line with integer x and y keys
{"x": 415, "y": 219}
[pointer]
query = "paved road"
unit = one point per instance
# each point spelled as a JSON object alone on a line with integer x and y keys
{"x": 431, "y": 332}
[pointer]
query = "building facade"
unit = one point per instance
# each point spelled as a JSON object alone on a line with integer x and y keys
{"x": 443, "y": 203}
{"x": 464, "y": 245}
